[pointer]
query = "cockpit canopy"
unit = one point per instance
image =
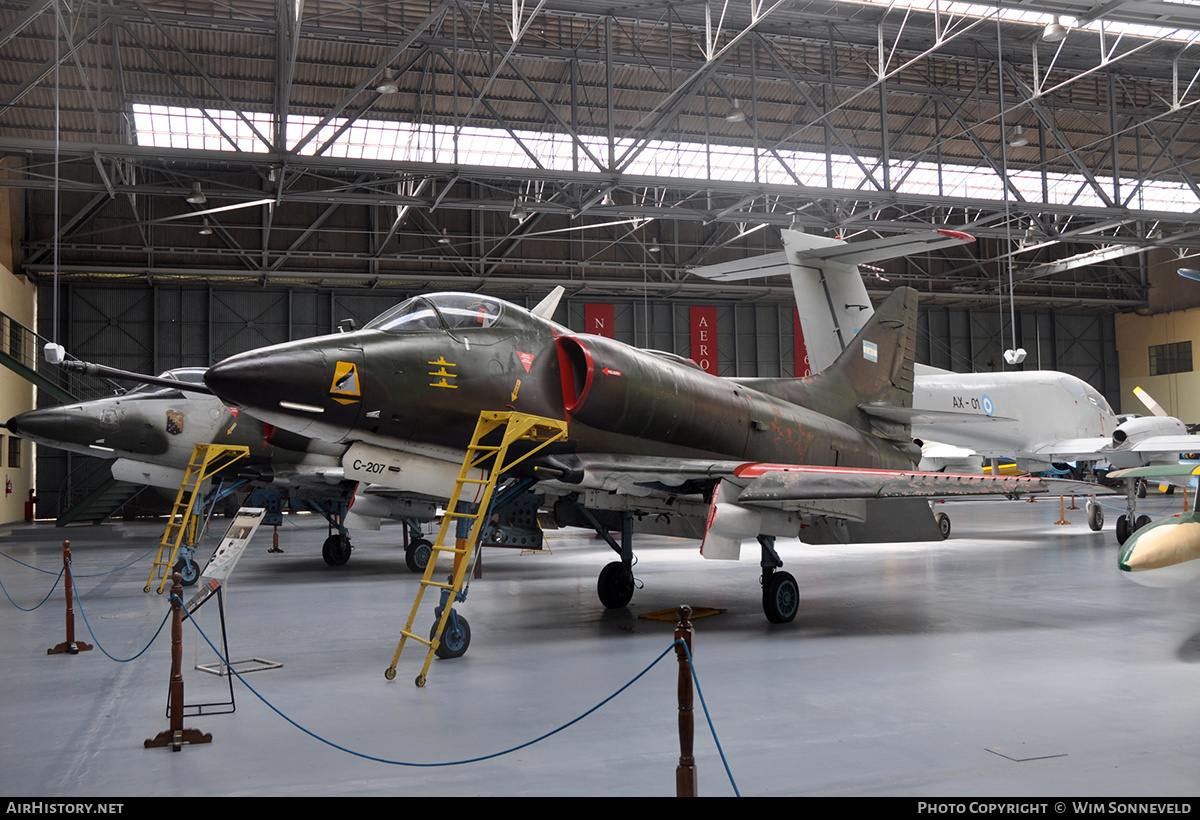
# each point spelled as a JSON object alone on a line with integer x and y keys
{"x": 440, "y": 311}
{"x": 189, "y": 375}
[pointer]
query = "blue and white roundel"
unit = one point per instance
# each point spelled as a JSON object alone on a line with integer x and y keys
{"x": 987, "y": 405}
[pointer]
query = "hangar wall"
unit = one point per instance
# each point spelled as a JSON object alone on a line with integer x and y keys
{"x": 16, "y": 394}
{"x": 1178, "y": 392}
{"x": 152, "y": 328}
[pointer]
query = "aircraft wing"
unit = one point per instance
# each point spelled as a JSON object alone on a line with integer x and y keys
{"x": 738, "y": 501}
{"x": 1088, "y": 449}
{"x": 791, "y": 486}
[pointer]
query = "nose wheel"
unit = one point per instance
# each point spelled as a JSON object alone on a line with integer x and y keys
{"x": 336, "y": 550}
{"x": 615, "y": 585}
{"x": 416, "y": 555}
{"x": 189, "y": 571}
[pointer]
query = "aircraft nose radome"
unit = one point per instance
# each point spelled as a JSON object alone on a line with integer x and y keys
{"x": 55, "y": 425}
{"x": 264, "y": 380}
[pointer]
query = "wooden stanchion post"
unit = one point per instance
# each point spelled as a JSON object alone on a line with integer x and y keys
{"x": 1062, "y": 511}
{"x": 70, "y": 646}
{"x": 176, "y": 736}
{"x": 685, "y": 772}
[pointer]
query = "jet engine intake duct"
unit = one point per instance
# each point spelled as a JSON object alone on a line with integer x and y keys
{"x": 613, "y": 387}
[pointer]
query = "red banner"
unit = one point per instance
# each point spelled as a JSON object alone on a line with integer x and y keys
{"x": 802, "y": 367}
{"x": 598, "y": 319}
{"x": 704, "y": 338}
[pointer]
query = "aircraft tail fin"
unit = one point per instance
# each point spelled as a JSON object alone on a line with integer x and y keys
{"x": 875, "y": 370}
{"x": 831, "y": 299}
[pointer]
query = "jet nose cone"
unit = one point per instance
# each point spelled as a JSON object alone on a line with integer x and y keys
{"x": 56, "y": 426}
{"x": 291, "y": 386}
{"x": 1165, "y": 553}
{"x": 267, "y": 379}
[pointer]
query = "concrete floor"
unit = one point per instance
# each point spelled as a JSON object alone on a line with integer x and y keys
{"x": 909, "y": 667}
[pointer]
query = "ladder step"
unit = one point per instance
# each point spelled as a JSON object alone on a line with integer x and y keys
{"x": 438, "y": 584}
{"x": 416, "y": 638}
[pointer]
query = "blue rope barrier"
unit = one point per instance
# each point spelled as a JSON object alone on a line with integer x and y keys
{"x": 53, "y": 587}
{"x": 79, "y": 603}
{"x": 480, "y": 758}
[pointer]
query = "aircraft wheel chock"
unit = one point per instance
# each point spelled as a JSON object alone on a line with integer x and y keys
{"x": 781, "y": 597}
{"x": 615, "y": 585}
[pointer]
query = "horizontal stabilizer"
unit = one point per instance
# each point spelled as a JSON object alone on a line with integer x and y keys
{"x": 911, "y": 415}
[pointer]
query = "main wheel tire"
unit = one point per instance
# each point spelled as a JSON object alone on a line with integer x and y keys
{"x": 416, "y": 555}
{"x": 1095, "y": 517}
{"x": 455, "y": 640}
{"x": 336, "y": 550}
{"x": 1140, "y": 521}
{"x": 943, "y": 522}
{"x": 1122, "y": 529}
{"x": 615, "y": 585}
{"x": 1141, "y": 488}
{"x": 781, "y": 597}
{"x": 189, "y": 571}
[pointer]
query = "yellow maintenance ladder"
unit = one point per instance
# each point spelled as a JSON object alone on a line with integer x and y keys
{"x": 206, "y": 460}
{"x": 479, "y": 458}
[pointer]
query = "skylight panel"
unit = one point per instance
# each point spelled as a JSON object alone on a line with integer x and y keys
{"x": 393, "y": 141}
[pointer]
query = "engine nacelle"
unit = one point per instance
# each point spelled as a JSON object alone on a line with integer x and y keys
{"x": 1143, "y": 427}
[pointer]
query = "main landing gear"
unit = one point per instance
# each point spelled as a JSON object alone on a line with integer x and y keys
{"x": 1131, "y": 522}
{"x": 781, "y": 593}
{"x": 418, "y": 548}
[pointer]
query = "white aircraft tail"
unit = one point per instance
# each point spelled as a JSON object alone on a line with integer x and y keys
{"x": 831, "y": 298}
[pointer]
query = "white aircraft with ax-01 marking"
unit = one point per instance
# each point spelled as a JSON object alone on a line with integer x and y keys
{"x": 1038, "y": 417}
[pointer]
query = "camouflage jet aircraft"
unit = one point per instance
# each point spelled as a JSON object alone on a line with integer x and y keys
{"x": 150, "y": 431}
{"x": 654, "y": 443}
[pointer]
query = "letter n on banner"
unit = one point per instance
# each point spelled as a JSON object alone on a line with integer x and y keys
{"x": 704, "y": 337}
{"x": 802, "y": 367}
{"x": 598, "y": 319}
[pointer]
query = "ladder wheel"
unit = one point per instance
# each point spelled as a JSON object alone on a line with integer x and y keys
{"x": 454, "y": 642}
{"x": 420, "y": 681}
{"x": 146, "y": 588}
{"x": 390, "y": 673}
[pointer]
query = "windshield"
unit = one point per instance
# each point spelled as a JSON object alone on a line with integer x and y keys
{"x": 439, "y": 311}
